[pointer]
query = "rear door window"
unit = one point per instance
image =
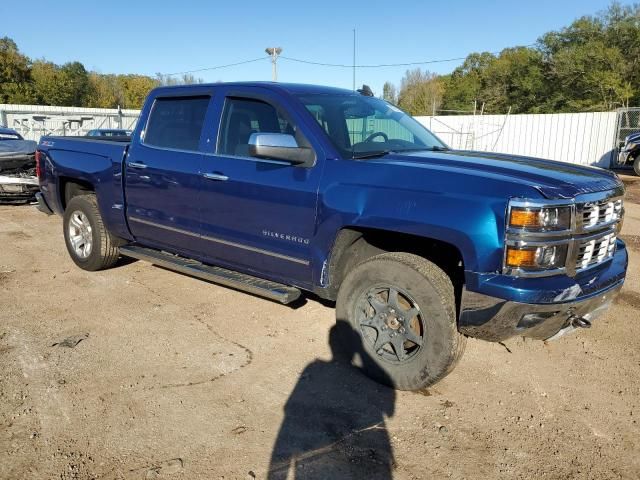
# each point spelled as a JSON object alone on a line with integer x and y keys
{"x": 176, "y": 122}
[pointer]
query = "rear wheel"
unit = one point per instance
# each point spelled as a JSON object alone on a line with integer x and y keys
{"x": 636, "y": 165}
{"x": 89, "y": 244}
{"x": 401, "y": 310}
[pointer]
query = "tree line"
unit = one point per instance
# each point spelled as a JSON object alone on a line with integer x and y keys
{"x": 591, "y": 65}
{"x": 40, "y": 82}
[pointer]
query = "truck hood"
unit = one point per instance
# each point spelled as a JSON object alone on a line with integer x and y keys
{"x": 553, "y": 179}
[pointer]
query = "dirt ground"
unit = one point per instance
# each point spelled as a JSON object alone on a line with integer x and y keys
{"x": 180, "y": 379}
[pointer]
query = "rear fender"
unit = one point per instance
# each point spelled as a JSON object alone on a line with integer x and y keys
{"x": 104, "y": 175}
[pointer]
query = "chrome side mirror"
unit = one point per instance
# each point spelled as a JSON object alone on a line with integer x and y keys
{"x": 280, "y": 146}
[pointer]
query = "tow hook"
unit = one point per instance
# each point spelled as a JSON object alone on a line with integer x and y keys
{"x": 579, "y": 322}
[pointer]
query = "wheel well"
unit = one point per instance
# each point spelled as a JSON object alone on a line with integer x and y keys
{"x": 71, "y": 187}
{"x": 352, "y": 246}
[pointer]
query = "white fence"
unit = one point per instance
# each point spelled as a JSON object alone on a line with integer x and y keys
{"x": 584, "y": 138}
{"x": 34, "y": 121}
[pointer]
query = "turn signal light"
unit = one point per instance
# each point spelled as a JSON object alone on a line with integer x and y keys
{"x": 521, "y": 258}
{"x": 544, "y": 257}
{"x": 525, "y": 218}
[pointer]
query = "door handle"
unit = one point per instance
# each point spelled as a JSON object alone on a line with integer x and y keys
{"x": 216, "y": 176}
{"x": 136, "y": 165}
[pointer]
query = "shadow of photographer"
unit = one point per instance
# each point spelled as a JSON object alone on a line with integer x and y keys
{"x": 334, "y": 425}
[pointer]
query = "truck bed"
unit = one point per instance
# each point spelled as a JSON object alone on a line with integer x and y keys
{"x": 60, "y": 148}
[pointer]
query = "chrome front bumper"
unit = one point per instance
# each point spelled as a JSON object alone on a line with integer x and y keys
{"x": 495, "y": 319}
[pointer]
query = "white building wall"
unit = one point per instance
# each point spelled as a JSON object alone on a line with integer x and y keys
{"x": 583, "y": 138}
{"x": 34, "y": 121}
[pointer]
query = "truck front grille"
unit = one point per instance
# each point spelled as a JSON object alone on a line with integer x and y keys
{"x": 601, "y": 216}
{"x": 598, "y": 214}
{"x": 594, "y": 251}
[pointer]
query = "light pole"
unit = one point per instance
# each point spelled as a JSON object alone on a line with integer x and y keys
{"x": 274, "y": 52}
{"x": 354, "y": 59}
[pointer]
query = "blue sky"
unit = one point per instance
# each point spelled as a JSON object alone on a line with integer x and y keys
{"x": 142, "y": 36}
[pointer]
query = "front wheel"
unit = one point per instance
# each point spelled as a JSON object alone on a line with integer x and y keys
{"x": 636, "y": 165}
{"x": 88, "y": 242}
{"x": 402, "y": 316}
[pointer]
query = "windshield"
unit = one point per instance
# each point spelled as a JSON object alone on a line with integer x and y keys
{"x": 362, "y": 127}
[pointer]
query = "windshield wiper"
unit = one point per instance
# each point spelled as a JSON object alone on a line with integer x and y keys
{"x": 434, "y": 148}
{"x": 382, "y": 153}
{"x": 377, "y": 153}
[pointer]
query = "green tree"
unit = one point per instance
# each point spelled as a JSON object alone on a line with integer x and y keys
{"x": 67, "y": 85}
{"x": 586, "y": 71}
{"x": 46, "y": 83}
{"x": 623, "y": 31}
{"x": 135, "y": 89}
{"x": 15, "y": 77}
{"x": 420, "y": 92}
{"x": 465, "y": 84}
{"x": 514, "y": 80}
{"x": 592, "y": 64}
{"x": 184, "y": 79}
{"x": 389, "y": 93}
{"x": 75, "y": 82}
{"x": 104, "y": 91}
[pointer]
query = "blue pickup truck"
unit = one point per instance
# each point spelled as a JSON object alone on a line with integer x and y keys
{"x": 275, "y": 189}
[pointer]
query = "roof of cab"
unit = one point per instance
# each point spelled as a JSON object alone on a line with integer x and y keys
{"x": 291, "y": 88}
{"x": 8, "y": 131}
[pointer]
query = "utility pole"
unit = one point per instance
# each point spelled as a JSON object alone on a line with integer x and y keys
{"x": 274, "y": 53}
{"x": 354, "y": 59}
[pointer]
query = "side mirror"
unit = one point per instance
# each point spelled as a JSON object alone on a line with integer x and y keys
{"x": 279, "y": 146}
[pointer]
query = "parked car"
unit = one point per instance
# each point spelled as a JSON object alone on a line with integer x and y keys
{"x": 109, "y": 132}
{"x": 18, "y": 182}
{"x": 630, "y": 152}
{"x": 276, "y": 189}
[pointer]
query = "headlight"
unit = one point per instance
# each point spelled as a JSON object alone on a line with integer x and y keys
{"x": 540, "y": 218}
{"x": 535, "y": 258}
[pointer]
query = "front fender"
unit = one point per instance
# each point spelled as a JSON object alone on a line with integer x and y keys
{"x": 470, "y": 222}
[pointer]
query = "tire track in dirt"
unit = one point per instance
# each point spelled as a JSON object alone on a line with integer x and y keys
{"x": 247, "y": 362}
{"x": 199, "y": 319}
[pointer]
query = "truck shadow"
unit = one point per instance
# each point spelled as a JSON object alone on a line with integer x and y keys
{"x": 334, "y": 425}
{"x": 124, "y": 261}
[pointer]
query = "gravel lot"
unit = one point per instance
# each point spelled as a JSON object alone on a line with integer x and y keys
{"x": 176, "y": 378}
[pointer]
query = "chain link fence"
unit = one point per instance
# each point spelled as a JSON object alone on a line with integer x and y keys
{"x": 628, "y": 123}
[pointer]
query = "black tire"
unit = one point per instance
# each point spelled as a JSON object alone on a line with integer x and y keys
{"x": 419, "y": 284}
{"x": 103, "y": 251}
{"x": 636, "y": 165}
